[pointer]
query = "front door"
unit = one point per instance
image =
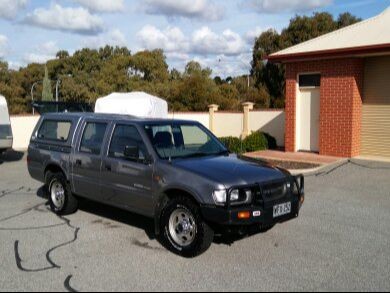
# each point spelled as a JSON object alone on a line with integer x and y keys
{"x": 87, "y": 160}
{"x": 309, "y": 119}
{"x": 127, "y": 182}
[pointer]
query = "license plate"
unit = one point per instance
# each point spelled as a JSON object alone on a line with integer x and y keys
{"x": 282, "y": 209}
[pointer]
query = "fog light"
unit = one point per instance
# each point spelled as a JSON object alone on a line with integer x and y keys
{"x": 244, "y": 215}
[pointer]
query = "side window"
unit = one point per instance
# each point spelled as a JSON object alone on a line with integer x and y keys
{"x": 126, "y": 136}
{"x": 54, "y": 130}
{"x": 93, "y": 136}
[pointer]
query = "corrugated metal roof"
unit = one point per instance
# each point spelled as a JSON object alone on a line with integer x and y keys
{"x": 371, "y": 32}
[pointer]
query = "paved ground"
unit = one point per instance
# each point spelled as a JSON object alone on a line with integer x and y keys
{"x": 340, "y": 242}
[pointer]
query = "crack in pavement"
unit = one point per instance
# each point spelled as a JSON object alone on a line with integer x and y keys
{"x": 67, "y": 284}
{"x": 7, "y": 192}
{"x": 53, "y": 265}
{"x": 37, "y": 208}
{"x": 32, "y": 228}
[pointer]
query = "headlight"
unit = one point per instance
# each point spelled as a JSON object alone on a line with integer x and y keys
{"x": 220, "y": 197}
{"x": 237, "y": 197}
{"x": 240, "y": 196}
{"x": 298, "y": 185}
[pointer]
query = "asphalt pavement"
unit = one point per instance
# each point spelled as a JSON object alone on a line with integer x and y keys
{"x": 340, "y": 242}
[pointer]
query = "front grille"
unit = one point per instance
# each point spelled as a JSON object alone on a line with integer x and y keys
{"x": 271, "y": 192}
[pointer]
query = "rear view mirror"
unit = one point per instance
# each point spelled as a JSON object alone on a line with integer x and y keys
{"x": 131, "y": 153}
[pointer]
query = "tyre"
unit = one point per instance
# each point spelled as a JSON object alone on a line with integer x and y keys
{"x": 62, "y": 201}
{"x": 184, "y": 232}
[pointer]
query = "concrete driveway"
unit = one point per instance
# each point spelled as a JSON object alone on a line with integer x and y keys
{"x": 341, "y": 242}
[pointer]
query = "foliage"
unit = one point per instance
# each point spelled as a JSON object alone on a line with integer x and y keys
{"x": 233, "y": 144}
{"x": 257, "y": 141}
{"x": 271, "y": 141}
{"x": 47, "y": 94}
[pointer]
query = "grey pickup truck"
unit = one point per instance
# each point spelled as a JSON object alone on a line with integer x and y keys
{"x": 176, "y": 172}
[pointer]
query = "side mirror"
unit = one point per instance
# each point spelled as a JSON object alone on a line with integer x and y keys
{"x": 131, "y": 153}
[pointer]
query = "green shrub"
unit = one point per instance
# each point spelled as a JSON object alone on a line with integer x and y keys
{"x": 272, "y": 145}
{"x": 233, "y": 144}
{"x": 257, "y": 141}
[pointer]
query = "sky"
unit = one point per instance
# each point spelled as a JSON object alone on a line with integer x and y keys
{"x": 217, "y": 33}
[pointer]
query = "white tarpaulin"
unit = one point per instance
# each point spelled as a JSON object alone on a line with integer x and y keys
{"x": 4, "y": 116}
{"x": 135, "y": 104}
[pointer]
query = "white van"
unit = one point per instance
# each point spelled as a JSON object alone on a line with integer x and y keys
{"x": 6, "y": 138}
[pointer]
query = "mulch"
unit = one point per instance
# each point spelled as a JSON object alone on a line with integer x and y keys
{"x": 290, "y": 165}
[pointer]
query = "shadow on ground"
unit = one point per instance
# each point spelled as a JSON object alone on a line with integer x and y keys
{"x": 11, "y": 156}
{"x": 111, "y": 213}
{"x": 147, "y": 224}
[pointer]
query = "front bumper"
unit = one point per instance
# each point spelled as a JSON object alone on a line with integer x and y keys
{"x": 259, "y": 214}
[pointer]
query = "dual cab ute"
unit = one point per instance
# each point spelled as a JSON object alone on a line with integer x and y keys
{"x": 176, "y": 172}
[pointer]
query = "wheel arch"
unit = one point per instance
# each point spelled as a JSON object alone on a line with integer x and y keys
{"x": 54, "y": 168}
{"x": 165, "y": 196}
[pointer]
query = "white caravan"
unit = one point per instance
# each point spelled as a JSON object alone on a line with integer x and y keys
{"x": 6, "y": 138}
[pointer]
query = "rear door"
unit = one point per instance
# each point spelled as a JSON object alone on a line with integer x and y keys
{"x": 87, "y": 159}
{"x": 126, "y": 183}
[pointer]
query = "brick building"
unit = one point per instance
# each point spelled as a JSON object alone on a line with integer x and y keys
{"x": 338, "y": 91}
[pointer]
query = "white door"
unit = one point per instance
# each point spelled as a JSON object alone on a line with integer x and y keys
{"x": 308, "y": 118}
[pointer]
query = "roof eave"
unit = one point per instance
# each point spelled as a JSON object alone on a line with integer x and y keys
{"x": 329, "y": 54}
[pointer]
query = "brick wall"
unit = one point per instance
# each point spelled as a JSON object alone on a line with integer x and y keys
{"x": 341, "y": 104}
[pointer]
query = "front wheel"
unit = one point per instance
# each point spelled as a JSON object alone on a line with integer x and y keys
{"x": 184, "y": 231}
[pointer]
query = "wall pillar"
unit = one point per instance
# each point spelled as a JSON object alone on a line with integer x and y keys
{"x": 248, "y": 106}
{"x": 212, "y": 109}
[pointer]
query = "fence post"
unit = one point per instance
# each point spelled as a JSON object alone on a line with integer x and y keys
{"x": 212, "y": 109}
{"x": 248, "y": 106}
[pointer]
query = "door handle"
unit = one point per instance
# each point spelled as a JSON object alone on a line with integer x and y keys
{"x": 108, "y": 168}
{"x": 78, "y": 162}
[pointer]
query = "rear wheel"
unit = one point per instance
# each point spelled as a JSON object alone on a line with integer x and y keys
{"x": 62, "y": 201}
{"x": 184, "y": 231}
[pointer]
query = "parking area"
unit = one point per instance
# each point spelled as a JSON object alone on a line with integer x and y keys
{"x": 340, "y": 242}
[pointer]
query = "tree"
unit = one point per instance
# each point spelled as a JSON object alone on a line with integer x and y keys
{"x": 346, "y": 19}
{"x": 149, "y": 66}
{"x": 62, "y": 54}
{"x": 47, "y": 94}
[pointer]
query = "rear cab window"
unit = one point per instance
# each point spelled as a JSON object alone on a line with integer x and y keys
{"x": 93, "y": 137}
{"x": 55, "y": 130}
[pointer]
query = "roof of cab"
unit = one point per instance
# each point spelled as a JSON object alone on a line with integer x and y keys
{"x": 112, "y": 117}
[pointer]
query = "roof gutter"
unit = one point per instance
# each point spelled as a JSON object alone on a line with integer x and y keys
{"x": 326, "y": 54}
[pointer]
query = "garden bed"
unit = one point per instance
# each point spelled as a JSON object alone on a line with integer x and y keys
{"x": 289, "y": 165}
